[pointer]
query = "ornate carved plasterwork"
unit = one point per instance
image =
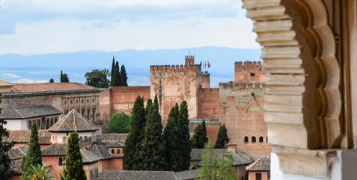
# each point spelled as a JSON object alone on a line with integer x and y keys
{"x": 303, "y": 101}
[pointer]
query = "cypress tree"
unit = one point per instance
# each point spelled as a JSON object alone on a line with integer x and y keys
{"x": 156, "y": 103}
{"x": 61, "y": 78}
{"x": 222, "y": 137}
{"x": 112, "y": 73}
{"x": 200, "y": 137}
{"x": 148, "y": 103}
{"x": 33, "y": 154}
{"x": 153, "y": 150}
{"x": 5, "y": 171}
{"x": 132, "y": 159}
{"x": 172, "y": 140}
{"x": 123, "y": 76}
{"x": 117, "y": 81}
{"x": 74, "y": 166}
{"x": 184, "y": 136}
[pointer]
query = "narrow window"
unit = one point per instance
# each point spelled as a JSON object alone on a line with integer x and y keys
{"x": 261, "y": 139}
{"x": 252, "y": 74}
{"x": 258, "y": 176}
{"x": 254, "y": 139}
{"x": 64, "y": 139}
{"x": 80, "y": 138}
{"x": 60, "y": 161}
{"x": 112, "y": 151}
{"x": 118, "y": 151}
{"x": 246, "y": 139}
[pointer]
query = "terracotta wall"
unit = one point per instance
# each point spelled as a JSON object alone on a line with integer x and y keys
{"x": 212, "y": 131}
{"x": 123, "y": 98}
{"x": 105, "y": 109}
{"x": 53, "y": 161}
{"x": 115, "y": 164}
{"x": 249, "y": 71}
{"x": 252, "y": 175}
{"x": 208, "y": 104}
{"x": 206, "y": 81}
{"x": 241, "y": 172}
{"x": 173, "y": 84}
{"x": 241, "y": 110}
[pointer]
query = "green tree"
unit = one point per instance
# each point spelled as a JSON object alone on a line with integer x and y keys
{"x": 64, "y": 77}
{"x": 156, "y": 103}
{"x": 39, "y": 173}
{"x": 209, "y": 163}
{"x": 5, "y": 171}
{"x": 112, "y": 73}
{"x": 153, "y": 150}
{"x": 123, "y": 76}
{"x": 184, "y": 136}
{"x": 117, "y": 81}
{"x": 33, "y": 154}
{"x": 222, "y": 137}
{"x": 133, "y": 143}
{"x": 97, "y": 78}
{"x": 51, "y": 80}
{"x": 225, "y": 169}
{"x": 148, "y": 103}
{"x": 200, "y": 137}
{"x": 74, "y": 166}
{"x": 172, "y": 140}
{"x": 119, "y": 123}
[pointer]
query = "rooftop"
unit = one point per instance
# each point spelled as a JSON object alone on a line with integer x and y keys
{"x": 3, "y": 83}
{"x": 10, "y": 112}
{"x": 261, "y": 164}
{"x": 148, "y": 175}
{"x": 73, "y": 121}
{"x": 41, "y": 87}
{"x": 23, "y": 136}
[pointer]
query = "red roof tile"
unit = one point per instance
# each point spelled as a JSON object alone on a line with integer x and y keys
{"x": 41, "y": 87}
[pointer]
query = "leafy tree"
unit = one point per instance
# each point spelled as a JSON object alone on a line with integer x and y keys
{"x": 51, "y": 80}
{"x": 119, "y": 123}
{"x": 74, "y": 166}
{"x": 225, "y": 169}
{"x": 133, "y": 143}
{"x": 39, "y": 173}
{"x": 184, "y": 136}
{"x": 200, "y": 137}
{"x": 112, "y": 73}
{"x": 209, "y": 163}
{"x": 64, "y": 77}
{"x": 123, "y": 76}
{"x": 156, "y": 103}
{"x": 172, "y": 140}
{"x": 33, "y": 154}
{"x": 153, "y": 150}
{"x": 97, "y": 78}
{"x": 116, "y": 79}
{"x": 5, "y": 171}
{"x": 222, "y": 137}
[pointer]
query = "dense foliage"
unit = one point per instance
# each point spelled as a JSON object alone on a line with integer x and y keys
{"x": 97, "y": 78}
{"x": 51, "y": 80}
{"x": 74, "y": 165}
{"x": 200, "y": 137}
{"x": 64, "y": 77}
{"x": 156, "y": 103}
{"x": 5, "y": 171}
{"x": 119, "y": 123}
{"x": 39, "y": 173}
{"x": 222, "y": 137}
{"x": 184, "y": 136}
{"x": 123, "y": 76}
{"x": 33, "y": 154}
{"x": 133, "y": 143}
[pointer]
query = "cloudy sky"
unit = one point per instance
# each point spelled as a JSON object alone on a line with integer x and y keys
{"x": 51, "y": 26}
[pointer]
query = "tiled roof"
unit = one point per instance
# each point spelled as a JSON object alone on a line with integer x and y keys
{"x": 3, "y": 83}
{"x": 112, "y": 140}
{"x": 239, "y": 157}
{"x": 261, "y": 164}
{"x": 41, "y": 87}
{"x": 189, "y": 174}
{"x": 73, "y": 121}
{"x": 23, "y": 136}
{"x": 17, "y": 153}
{"x": 196, "y": 154}
{"x": 54, "y": 150}
{"x": 137, "y": 175}
{"x": 16, "y": 166}
{"x": 9, "y": 112}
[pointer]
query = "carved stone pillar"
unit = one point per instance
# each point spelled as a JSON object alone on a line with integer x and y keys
{"x": 306, "y": 103}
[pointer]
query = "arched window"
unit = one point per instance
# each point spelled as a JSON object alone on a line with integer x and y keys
{"x": 261, "y": 139}
{"x": 60, "y": 160}
{"x": 118, "y": 151}
{"x": 254, "y": 140}
{"x": 85, "y": 137}
{"x": 246, "y": 139}
{"x": 64, "y": 139}
{"x": 80, "y": 138}
{"x": 113, "y": 151}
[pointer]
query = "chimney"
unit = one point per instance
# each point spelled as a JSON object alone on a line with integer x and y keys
{"x": 87, "y": 146}
{"x": 232, "y": 147}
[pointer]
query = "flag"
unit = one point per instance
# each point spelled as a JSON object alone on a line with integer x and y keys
{"x": 209, "y": 64}
{"x": 205, "y": 64}
{"x": 201, "y": 63}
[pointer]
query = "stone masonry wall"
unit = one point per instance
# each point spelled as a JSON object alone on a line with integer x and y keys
{"x": 208, "y": 104}
{"x": 241, "y": 110}
{"x": 173, "y": 84}
{"x": 105, "y": 108}
{"x": 123, "y": 98}
{"x": 249, "y": 71}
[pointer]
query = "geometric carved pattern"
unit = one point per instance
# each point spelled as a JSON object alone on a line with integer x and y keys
{"x": 303, "y": 99}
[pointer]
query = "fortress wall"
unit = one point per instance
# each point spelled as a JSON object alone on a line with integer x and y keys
{"x": 208, "y": 106}
{"x": 249, "y": 71}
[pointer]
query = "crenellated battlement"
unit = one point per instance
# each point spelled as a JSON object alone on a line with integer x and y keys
{"x": 239, "y": 86}
{"x": 248, "y": 65}
{"x": 175, "y": 68}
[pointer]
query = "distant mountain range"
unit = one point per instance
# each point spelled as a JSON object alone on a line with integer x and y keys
{"x": 40, "y": 68}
